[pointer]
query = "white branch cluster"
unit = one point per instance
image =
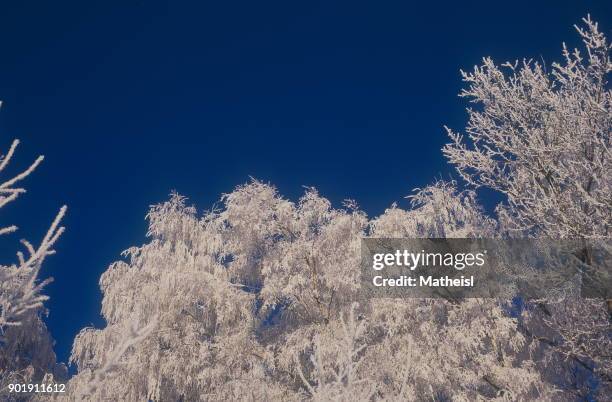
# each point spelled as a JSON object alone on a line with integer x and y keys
{"x": 20, "y": 289}
{"x": 26, "y": 352}
{"x": 543, "y": 139}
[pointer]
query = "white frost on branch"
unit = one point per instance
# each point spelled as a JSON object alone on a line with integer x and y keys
{"x": 26, "y": 352}
{"x": 335, "y": 359}
{"x": 20, "y": 287}
{"x": 543, "y": 139}
{"x": 94, "y": 387}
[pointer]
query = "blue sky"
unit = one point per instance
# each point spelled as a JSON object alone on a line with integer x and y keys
{"x": 131, "y": 99}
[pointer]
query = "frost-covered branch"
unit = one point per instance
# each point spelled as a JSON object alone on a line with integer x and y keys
{"x": 112, "y": 363}
{"x": 26, "y": 348}
{"x": 20, "y": 289}
{"x": 543, "y": 139}
{"x": 335, "y": 362}
{"x": 8, "y": 191}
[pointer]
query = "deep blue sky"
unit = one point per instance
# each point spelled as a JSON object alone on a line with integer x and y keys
{"x": 131, "y": 99}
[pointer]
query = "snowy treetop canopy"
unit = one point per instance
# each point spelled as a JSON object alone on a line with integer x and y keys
{"x": 259, "y": 298}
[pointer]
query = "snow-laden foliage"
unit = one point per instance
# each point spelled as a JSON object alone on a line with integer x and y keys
{"x": 438, "y": 211}
{"x": 437, "y": 349}
{"x": 257, "y": 301}
{"x": 203, "y": 342}
{"x": 26, "y": 348}
{"x": 541, "y": 136}
{"x": 336, "y": 357}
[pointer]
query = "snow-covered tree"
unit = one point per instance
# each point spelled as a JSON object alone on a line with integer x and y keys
{"x": 257, "y": 300}
{"x": 542, "y": 138}
{"x": 203, "y": 345}
{"x": 260, "y": 299}
{"x": 26, "y": 347}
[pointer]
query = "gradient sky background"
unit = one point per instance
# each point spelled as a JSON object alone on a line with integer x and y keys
{"x": 131, "y": 99}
